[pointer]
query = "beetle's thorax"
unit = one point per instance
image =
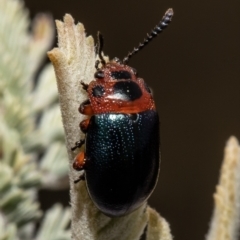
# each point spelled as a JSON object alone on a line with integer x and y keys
{"x": 117, "y": 89}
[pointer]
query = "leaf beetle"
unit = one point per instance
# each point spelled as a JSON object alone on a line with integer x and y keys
{"x": 121, "y": 160}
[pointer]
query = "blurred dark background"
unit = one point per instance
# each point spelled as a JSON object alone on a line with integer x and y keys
{"x": 193, "y": 69}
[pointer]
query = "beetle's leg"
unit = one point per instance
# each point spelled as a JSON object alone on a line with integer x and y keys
{"x": 86, "y": 108}
{"x": 78, "y": 144}
{"x": 81, "y": 178}
{"x": 79, "y": 161}
{"x": 84, "y": 125}
{"x": 84, "y": 85}
{"x": 78, "y": 164}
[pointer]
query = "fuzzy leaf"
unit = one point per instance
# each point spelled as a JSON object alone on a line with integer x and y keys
{"x": 226, "y": 216}
{"x": 55, "y": 224}
{"x": 45, "y": 93}
{"x": 7, "y": 231}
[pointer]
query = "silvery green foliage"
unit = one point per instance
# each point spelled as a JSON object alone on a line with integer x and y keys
{"x": 7, "y": 232}
{"x": 48, "y": 136}
{"x": 30, "y": 125}
{"x": 55, "y": 222}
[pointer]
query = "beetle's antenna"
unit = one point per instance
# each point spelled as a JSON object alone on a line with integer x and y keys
{"x": 99, "y": 49}
{"x": 157, "y": 29}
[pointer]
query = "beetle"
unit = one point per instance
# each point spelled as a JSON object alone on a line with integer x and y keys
{"x": 121, "y": 160}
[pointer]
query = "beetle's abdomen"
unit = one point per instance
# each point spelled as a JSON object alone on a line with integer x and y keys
{"x": 122, "y": 152}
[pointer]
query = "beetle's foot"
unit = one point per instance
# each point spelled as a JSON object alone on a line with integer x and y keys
{"x": 84, "y": 85}
{"x": 78, "y": 144}
{"x": 81, "y": 178}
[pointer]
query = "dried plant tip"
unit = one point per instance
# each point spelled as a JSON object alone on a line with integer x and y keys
{"x": 158, "y": 227}
{"x": 225, "y": 221}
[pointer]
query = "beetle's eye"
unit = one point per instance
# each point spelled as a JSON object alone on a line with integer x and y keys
{"x": 99, "y": 74}
{"x": 121, "y": 75}
{"x": 98, "y": 91}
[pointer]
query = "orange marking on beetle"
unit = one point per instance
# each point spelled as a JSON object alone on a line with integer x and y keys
{"x": 112, "y": 102}
{"x": 86, "y": 109}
